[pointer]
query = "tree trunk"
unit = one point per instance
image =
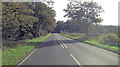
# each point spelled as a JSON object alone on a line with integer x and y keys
{"x": 86, "y": 31}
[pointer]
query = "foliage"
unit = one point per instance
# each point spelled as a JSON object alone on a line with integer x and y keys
{"x": 109, "y": 38}
{"x": 25, "y": 20}
{"x": 46, "y": 16}
{"x": 105, "y": 29}
{"x": 16, "y": 19}
{"x": 69, "y": 26}
{"x": 85, "y": 14}
{"x": 60, "y": 26}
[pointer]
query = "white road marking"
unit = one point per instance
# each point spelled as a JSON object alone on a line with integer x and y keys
{"x": 75, "y": 59}
{"x": 64, "y": 44}
{"x": 27, "y": 57}
{"x": 103, "y": 49}
{"x": 61, "y": 44}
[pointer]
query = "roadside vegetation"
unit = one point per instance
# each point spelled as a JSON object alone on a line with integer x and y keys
{"x": 24, "y": 26}
{"x": 106, "y": 41}
{"x": 25, "y": 21}
{"x": 27, "y": 24}
{"x": 11, "y": 56}
{"x": 84, "y": 25}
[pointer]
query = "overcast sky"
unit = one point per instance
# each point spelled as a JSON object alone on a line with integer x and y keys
{"x": 110, "y": 16}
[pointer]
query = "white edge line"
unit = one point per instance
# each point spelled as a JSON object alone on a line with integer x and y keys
{"x": 107, "y": 51}
{"x": 27, "y": 57}
{"x": 75, "y": 59}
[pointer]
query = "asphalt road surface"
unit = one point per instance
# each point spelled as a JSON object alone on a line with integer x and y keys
{"x": 59, "y": 50}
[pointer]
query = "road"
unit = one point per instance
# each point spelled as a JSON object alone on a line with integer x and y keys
{"x": 59, "y": 50}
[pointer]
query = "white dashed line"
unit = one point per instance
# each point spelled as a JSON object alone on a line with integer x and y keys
{"x": 75, "y": 59}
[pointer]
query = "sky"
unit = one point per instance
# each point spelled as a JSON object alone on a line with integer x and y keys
{"x": 110, "y": 16}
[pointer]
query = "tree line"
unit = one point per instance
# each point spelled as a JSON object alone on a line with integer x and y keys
{"x": 25, "y": 20}
{"x": 77, "y": 28}
{"x": 82, "y": 17}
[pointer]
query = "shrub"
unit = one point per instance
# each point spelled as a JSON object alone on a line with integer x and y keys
{"x": 109, "y": 38}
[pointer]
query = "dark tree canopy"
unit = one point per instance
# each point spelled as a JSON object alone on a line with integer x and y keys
{"x": 26, "y": 20}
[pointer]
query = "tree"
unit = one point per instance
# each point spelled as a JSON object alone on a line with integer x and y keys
{"x": 22, "y": 19}
{"x": 84, "y": 13}
{"x": 46, "y": 16}
{"x": 60, "y": 26}
{"x": 18, "y": 18}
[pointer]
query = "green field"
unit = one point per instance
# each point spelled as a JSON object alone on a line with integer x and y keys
{"x": 94, "y": 42}
{"x": 11, "y": 56}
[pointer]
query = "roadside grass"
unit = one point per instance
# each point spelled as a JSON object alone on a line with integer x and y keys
{"x": 11, "y": 56}
{"x": 106, "y": 46}
{"x": 95, "y": 43}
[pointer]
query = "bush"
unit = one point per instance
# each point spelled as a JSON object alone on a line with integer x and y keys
{"x": 109, "y": 38}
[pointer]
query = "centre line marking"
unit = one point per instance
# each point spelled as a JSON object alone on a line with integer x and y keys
{"x": 64, "y": 44}
{"x": 75, "y": 59}
{"x": 61, "y": 44}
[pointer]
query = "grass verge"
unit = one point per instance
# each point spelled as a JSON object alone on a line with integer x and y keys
{"x": 95, "y": 43}
{"x": 11, "y": 56}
